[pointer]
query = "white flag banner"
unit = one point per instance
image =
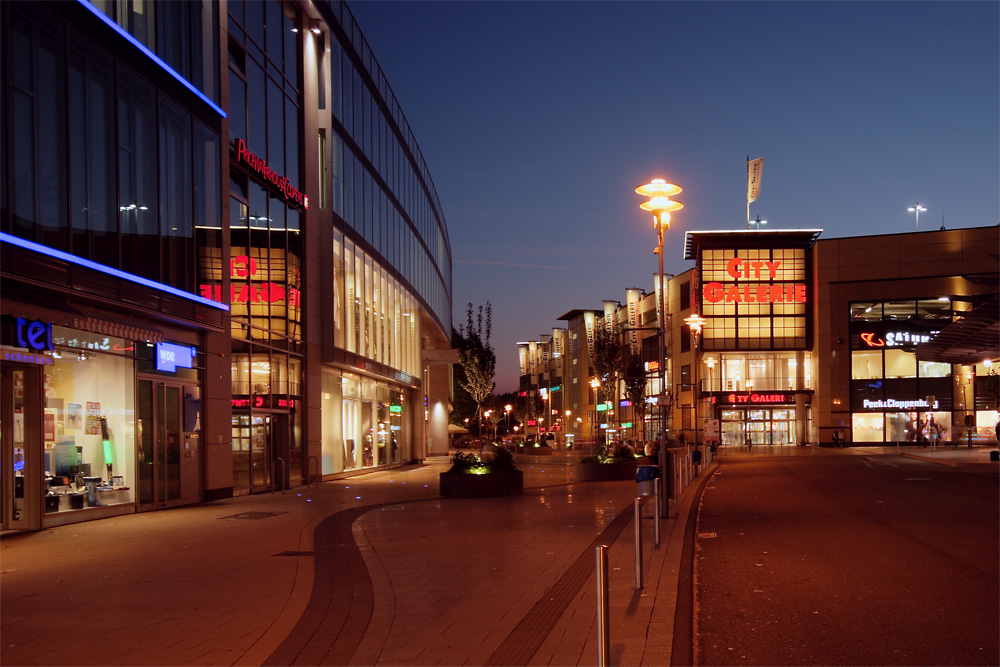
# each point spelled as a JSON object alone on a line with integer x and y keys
{"x": 754, "y": 169}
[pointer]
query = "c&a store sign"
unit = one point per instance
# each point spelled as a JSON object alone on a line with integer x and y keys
{"x": 740, "y": 268}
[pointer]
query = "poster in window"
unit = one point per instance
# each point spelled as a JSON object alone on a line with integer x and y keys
{"x": 74, "y": 416}
{"x": 93, "y": 425}
{"x": 49, "y": 425}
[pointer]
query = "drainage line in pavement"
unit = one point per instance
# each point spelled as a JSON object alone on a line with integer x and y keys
{"x": 525, "y": 639}
{"x": 683, "y": 645}
{"x": 340, "y": 605}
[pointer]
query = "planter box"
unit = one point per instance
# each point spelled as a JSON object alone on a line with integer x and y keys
{"x": 605, "y": 472}
{"x": 462, "y": 485}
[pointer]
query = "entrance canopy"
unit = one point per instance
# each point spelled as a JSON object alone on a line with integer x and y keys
{"x": 970, "y": 339}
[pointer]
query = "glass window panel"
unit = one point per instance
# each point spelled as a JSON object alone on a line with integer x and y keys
{"x": 237, "y": 107}
{"x": 933, "y": 369}
{"x": 274, "y": 25}
{"x": 174, "y": 36}
{"x": 175, "y": 196}
{"x": 900, "y": 364}
{"x": 866, "y": 365}
{"x": 275, "y": 127}
{"x": 257, "y": 119}
{"x": 92, "y": 149}
{"x": 205, "y": 47}
{"x": 934, "y": 309}
{"x": 867, "y": 427}
{"x": 292, "y": 143}
{"x": 255, "y": 21}
{"x": 899, "y": 310}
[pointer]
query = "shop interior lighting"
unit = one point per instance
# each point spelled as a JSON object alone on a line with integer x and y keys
{"x": 79, "y": 261}
{"x": 152, "y": 56}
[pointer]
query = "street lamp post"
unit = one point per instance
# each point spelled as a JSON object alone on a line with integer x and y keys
{"x": 507, "y": 408}
{"x": 695, "y": 322}
{"x": 661, "y": 206}
{"x": 917, "y": 209}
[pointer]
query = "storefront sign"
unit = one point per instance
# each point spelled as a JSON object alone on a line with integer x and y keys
{"x": 717, "y": 292}
{"x": 754, "y": 398}
{"x": 740, "y": 268}
{"x": 259, "y": 167}
{"x": 170, "y": 356}
{"x": 895, "y": 339}
{"x": 261, "y": 401}
{"x": 34, "y": 335}
{"x": 26, "y": 358}
{"x": 897, "y": 404}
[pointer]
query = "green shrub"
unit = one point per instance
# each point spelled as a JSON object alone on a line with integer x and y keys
{"x": 500, "y": 460}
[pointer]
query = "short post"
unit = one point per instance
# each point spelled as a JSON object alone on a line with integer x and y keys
{"x": 603, "y": 645}
{"x": 656, "y": 511}
{"x": 638, "y": 545}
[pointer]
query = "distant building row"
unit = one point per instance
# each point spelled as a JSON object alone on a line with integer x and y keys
{"x": 870, "y": 340}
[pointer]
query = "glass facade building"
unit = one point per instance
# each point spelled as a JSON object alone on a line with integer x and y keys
{"x": 225, "y": 266}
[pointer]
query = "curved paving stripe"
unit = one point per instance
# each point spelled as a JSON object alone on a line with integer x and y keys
{"x": 339, "y": 609}
{"x": 525, "y": 639}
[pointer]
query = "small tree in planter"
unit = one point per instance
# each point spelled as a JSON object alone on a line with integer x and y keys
{"x": 615, "y": 464}
{"x": 475, "y": 476}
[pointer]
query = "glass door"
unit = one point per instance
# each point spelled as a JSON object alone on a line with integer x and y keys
{"x": 20, "y": 447}
{"x": 260, "y": 453}
{"x": 169, "y": 458}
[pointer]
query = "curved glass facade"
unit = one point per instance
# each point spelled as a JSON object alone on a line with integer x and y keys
{"x": 378, "y": 184}
{"x": 232, "y": 187}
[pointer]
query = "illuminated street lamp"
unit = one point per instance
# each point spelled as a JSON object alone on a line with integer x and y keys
{"x": 695, "y": 322}
{"x": 507, "y": 408}
{"x": 917, "y": 209}
{"x": 710, "y": 362}
{"x": 661, "y": 206}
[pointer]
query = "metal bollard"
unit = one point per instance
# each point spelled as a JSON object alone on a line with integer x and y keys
{"x": 656, "y": 511}
{"x": 638, "y": 545}
{"x": 603, "y": 624}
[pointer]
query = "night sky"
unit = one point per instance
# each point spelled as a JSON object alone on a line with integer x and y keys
{"x": 539, "y": 119}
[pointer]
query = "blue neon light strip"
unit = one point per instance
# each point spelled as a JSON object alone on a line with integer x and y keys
{"x": 155, "y": 58}
{"x": 79, "y": 261}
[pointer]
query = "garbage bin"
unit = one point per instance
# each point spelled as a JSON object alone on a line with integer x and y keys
{"x": 696, "y": 457}
{"x": 645, "y": 477}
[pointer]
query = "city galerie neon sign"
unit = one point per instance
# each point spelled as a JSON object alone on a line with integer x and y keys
{"x": 259, "y": 166}
{"x": 737, "y": 268}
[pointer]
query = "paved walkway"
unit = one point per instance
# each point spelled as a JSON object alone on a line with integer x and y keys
{"x": 374, "y": 570}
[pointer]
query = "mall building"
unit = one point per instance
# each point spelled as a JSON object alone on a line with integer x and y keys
{"x": 871, "y": 340}
{"x": 225, "y": 268}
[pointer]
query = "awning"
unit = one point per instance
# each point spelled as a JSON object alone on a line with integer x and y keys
{"x": 110, "y": 323}
{"x": 454, "y": 428}
{"x": 970, "y": 339}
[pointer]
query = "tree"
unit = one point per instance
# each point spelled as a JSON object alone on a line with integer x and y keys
{"x": 609, "y": 357}
{"x": 635, "y": 391}
{"x": 476, "y": 357}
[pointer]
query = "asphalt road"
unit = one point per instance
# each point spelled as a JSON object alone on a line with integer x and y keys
{"x": 848, "y": 560}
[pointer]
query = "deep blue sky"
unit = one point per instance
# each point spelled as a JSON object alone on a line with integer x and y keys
{"x": 538, "y": 120}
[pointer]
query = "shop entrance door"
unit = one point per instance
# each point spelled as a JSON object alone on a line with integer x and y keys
{"x": 260, "y": 451}
{"x": 20, "y": 446}
{"x": 167, "y": 429}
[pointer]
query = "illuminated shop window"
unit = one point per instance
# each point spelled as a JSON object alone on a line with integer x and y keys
{"x": 866, "y": 365}
{"x": 867, "y": 427}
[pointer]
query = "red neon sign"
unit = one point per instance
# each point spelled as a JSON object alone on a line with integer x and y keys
{"x": 868, "y": 338}
{"x": 259, "y": 167}
{"x": 757, "y": 398}
{"x": 716, "y": 292}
